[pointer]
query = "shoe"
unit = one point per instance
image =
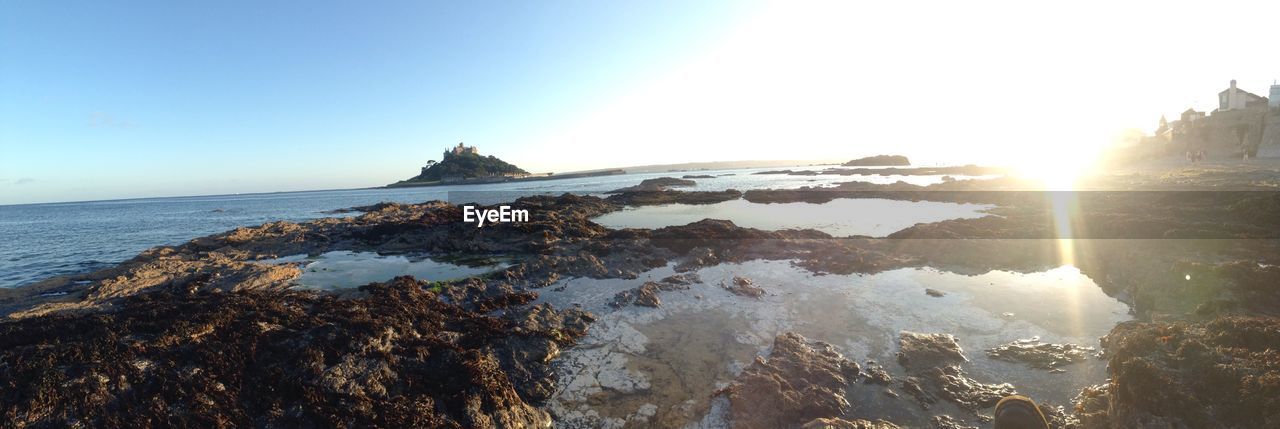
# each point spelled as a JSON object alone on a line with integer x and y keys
{"x": 1019, "y": 412}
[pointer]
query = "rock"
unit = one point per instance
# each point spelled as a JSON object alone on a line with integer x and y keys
{"x": 948, "y": 422}
{"x": 800, "y": 381}
{"x": 876, "y": 374}
{"x": 656, "y": 184}
{"x": 1040, "y": 355}
{"x": 934, "y": 293}
{"x": 688, "y": 279}
{"x": 925, "y": 351}
{"x": 1221, "y": 373}
{"x": 933, "y": 364}
{"x": 743, "y": 286}
{"x": 643, "y": 198}
{"x": 698, "y": 176}
{"x": 396, "y": 356}
{"x": 879, "y": 160}
{"x": 837, "y": 423}
{"x": 645, "y": 295}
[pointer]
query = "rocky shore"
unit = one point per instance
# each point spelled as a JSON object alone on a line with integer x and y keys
{"x": 207, "y": 334}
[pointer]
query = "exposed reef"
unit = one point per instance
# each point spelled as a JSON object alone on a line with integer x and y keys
{"x": 655, "y": 184}
{"x": 207, "y": 333}
{"x": 644, "y": 198}
{"x": 799, "y": 382}
{"x": 395, "y": 356}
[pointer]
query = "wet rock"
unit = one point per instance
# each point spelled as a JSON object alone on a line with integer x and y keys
{"x": 933, "y": 364}
{"x": 838, "y": 423}
{"x": 953, "y": 385}
{"x": 396, "y": 356}
{"x": 698, "y": 258}
{"x": 688, "y": 279}
{"x": 875, "y": 373}
{"x": 698, "y": 176}
{"x": 1091, "y": 406}
{"x": 1220, "y": 373}
{"x": 934, "y": 293}
{"x": 800, "y": 381}
{"x": 645, "y": 295}
{"x": 919, "y": 351}
{"x": 655, "y": 184}
{"x": 644, "y": 198}
{"x": 914, "y": 386}
{"x": 948, "y": 422}
{"x": 1040, "y": 355}
{"x": 743, "y": 286}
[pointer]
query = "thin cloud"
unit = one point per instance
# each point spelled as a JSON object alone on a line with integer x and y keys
{"x": 23, "y": 181}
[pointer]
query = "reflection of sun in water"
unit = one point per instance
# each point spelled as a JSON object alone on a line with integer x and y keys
{"x": 1058, "y": 178}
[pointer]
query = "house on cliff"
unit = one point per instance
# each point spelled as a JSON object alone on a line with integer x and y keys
{"x": 1234, "y": 98}
{"x": 1242, "y": 123}
{"x": 1275, "y": 95}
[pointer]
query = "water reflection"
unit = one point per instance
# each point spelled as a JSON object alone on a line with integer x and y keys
{"x": 672, "y": 358}
{"x": 840, "y": 217}
{"x": 345, "y": 269}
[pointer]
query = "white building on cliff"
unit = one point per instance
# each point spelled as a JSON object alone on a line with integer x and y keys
{"x": 1234, "y": 98}
{"x": 1275, "y": 95}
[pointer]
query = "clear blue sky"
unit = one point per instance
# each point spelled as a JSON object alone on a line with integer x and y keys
{"x": 118, "y": 99}
{"x": 126, "y": 99}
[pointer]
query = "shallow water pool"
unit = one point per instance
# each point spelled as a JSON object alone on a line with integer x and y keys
{"x": 875, "y": 217}
{"x": 346, "y": 269}
{"x": 659, "y": 367}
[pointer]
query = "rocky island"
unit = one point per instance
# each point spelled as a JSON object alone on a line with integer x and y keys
{"x": 879, "y": 161}
{"x": 464, "y": 165}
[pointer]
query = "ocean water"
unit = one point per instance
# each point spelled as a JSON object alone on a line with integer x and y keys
{"x": 38, "y": 241}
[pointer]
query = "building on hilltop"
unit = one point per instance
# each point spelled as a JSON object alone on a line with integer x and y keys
{"x": 1191, "y": 115}
{"x": 1275, "y": 95}
{"x": 461, "y": 149}
{"x": 1243, "y": 125}
{"x": 1234, "y": 98}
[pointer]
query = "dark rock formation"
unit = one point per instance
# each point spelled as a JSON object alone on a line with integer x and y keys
{"x": 933, "y": 363}
{"x": 655, "y": 184}
{"x": 743, "y": 286}
{"x": 800, "y": 381}
{"x": 1222, "y": 373}
{"x": 875, "y": 373}
{"x": 645, "y": 198}
{"x": 698, "y": 176}
{"x": 397, "y": 356}
{"x": 879, "y": 160}
{"x": 837, "y": 423}
{"x": 1040, "y": 355}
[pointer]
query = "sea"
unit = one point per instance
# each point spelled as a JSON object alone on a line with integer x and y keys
{"x": 38, "y": 241}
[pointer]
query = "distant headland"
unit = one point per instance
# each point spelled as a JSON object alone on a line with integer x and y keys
{"x": 463, "y": 164}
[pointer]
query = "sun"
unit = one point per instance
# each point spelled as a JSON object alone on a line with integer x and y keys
{"x": 1057, "y": 172}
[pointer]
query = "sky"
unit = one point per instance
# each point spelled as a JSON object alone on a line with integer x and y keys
{"x": 103, "y": 100}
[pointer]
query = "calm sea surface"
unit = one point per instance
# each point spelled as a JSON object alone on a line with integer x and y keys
{"x": 43, "y": 240}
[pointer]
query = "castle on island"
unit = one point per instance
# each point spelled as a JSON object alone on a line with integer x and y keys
{"x": 463, "y": 149}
